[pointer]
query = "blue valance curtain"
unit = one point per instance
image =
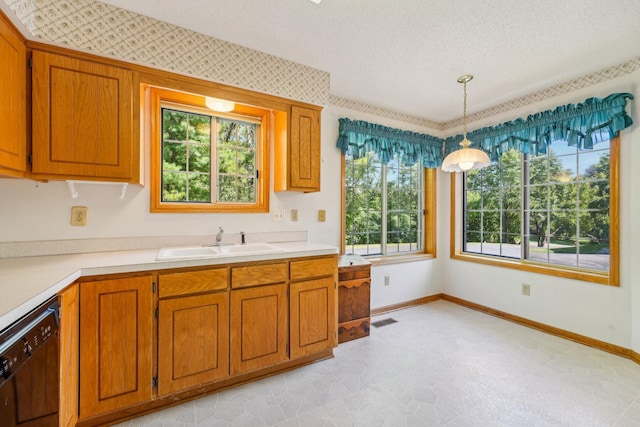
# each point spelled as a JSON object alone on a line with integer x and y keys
{"x": 595, "y": 120}
{"x": 357, "y": 138}
{"x": 585, "y": 124}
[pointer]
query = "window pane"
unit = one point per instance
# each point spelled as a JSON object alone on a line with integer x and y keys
{"x": 594, "y": 240}
{"x": 563, "y": 196}
{"x": 199, "y": 187}
{"x": 491, "y": 198}
{"x": 539, "y": 170}
{"x": 472, "y": 242}
{"x": 236, "y": 157}
{"x": 175, "y": 156}
{"x": 562, "y": 238}
{"x": 174, "y": 125}
{"x": 473, "y": 221}
{"x": 200, "y": 158}
{"x": 539, "y": 197}
{"x": 174, "y": 187}
{"x": 186, "y": 158}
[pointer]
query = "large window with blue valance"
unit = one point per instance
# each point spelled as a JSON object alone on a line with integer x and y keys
{"x": 549, "y": 201}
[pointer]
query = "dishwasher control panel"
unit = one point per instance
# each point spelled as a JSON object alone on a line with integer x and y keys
{"x": 22, "y": 344}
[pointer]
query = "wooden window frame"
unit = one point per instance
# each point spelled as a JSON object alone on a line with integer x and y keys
{"x": 611, "y": 278}
{"x": 429, "y": 209}
{"x": 155, "y": 97}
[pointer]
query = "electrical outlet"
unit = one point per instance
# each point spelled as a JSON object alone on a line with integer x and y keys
{"x": 294, "y": 215}
{"x": 278, "y": 215}
{"x": 322, "y": 215}
{"x": 387, "y": 281}
{"x": 79, "y": 216}
{"x": 526, "y": 289}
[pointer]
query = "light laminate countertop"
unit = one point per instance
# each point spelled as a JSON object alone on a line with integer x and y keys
{"x": 27, "y": 282}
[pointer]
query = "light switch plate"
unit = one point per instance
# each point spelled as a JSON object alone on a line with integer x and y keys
{"x": 322, "y": 215}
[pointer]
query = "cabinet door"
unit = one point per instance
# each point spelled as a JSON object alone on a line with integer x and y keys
{"x": 313, "y": 316}
{"x": 258, "y": 327}
{"x": 305, "y": 149}
{"x": 69, "y": 355}
{"x": 116, "y": 341}
{"x": 82, "y": 119}
{"x": 193, "y": 341}
{"x": 297, "y": 150}
{"x": 13, "y": 110}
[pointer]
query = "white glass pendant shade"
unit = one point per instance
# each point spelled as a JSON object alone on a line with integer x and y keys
{"x": 465, "y": 159}
{"x": 217, "y": 104}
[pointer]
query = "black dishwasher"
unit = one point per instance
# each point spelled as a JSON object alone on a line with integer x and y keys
{"x": 29, "y": 369}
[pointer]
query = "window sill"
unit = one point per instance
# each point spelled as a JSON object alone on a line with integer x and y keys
{"x": 397, "y": 259}
{"x": 567, "y": 273}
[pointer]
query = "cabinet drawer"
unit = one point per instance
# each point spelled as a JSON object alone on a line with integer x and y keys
{"x": 352, "y": 272}
{"x": 313, "y": 268}
{"x": 252, "y": 275}
{"x": 192, "y": 282}
{"x": 352, "y": 330}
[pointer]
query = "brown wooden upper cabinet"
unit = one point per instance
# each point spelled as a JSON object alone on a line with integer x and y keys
{"x": 82, "y": 120}
{"x": 297, "y": 150}
{"x": 13, "y": 110}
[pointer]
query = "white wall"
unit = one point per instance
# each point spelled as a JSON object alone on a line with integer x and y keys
{"x": 610, "y": 314}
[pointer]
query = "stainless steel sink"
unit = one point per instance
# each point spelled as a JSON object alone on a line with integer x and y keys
{"x": 192, "y": 252}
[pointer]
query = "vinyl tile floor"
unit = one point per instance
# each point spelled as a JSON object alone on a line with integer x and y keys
{"x": 440, "y": 364}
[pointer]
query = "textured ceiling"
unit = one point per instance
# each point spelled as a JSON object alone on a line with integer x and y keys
{"x": 405, "y": 55}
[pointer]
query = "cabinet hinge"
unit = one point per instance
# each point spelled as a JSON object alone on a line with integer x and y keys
{"x": 30, "y": 62}
{"x": 153, "y": 287}
{"x": 257, "y": 174}
{"x": 154, "y": 382}
{"x": 335, "y": 285}
{"x": 30, "y": 159}
{"x": 156, "y": 313}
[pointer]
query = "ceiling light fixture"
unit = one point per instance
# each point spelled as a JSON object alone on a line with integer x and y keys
{"x": 467, "y": 158}
{"x": 217, "y": 104}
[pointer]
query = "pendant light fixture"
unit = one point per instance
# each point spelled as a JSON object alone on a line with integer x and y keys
{"x": 467, "y": 158}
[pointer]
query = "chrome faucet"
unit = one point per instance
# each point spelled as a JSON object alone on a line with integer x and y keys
{"x": 219, "y": 236}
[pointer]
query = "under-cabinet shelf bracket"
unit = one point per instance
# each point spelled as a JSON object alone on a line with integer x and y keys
{"x": 74, "y": 192}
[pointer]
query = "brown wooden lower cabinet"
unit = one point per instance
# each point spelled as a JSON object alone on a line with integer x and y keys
{"x": 148, "y": 341}
{"x": 116, "y": 330}
{"x": 354, "y": 287}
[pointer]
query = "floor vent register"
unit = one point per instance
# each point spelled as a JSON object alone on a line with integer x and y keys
{"x": 383, "y": 322}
